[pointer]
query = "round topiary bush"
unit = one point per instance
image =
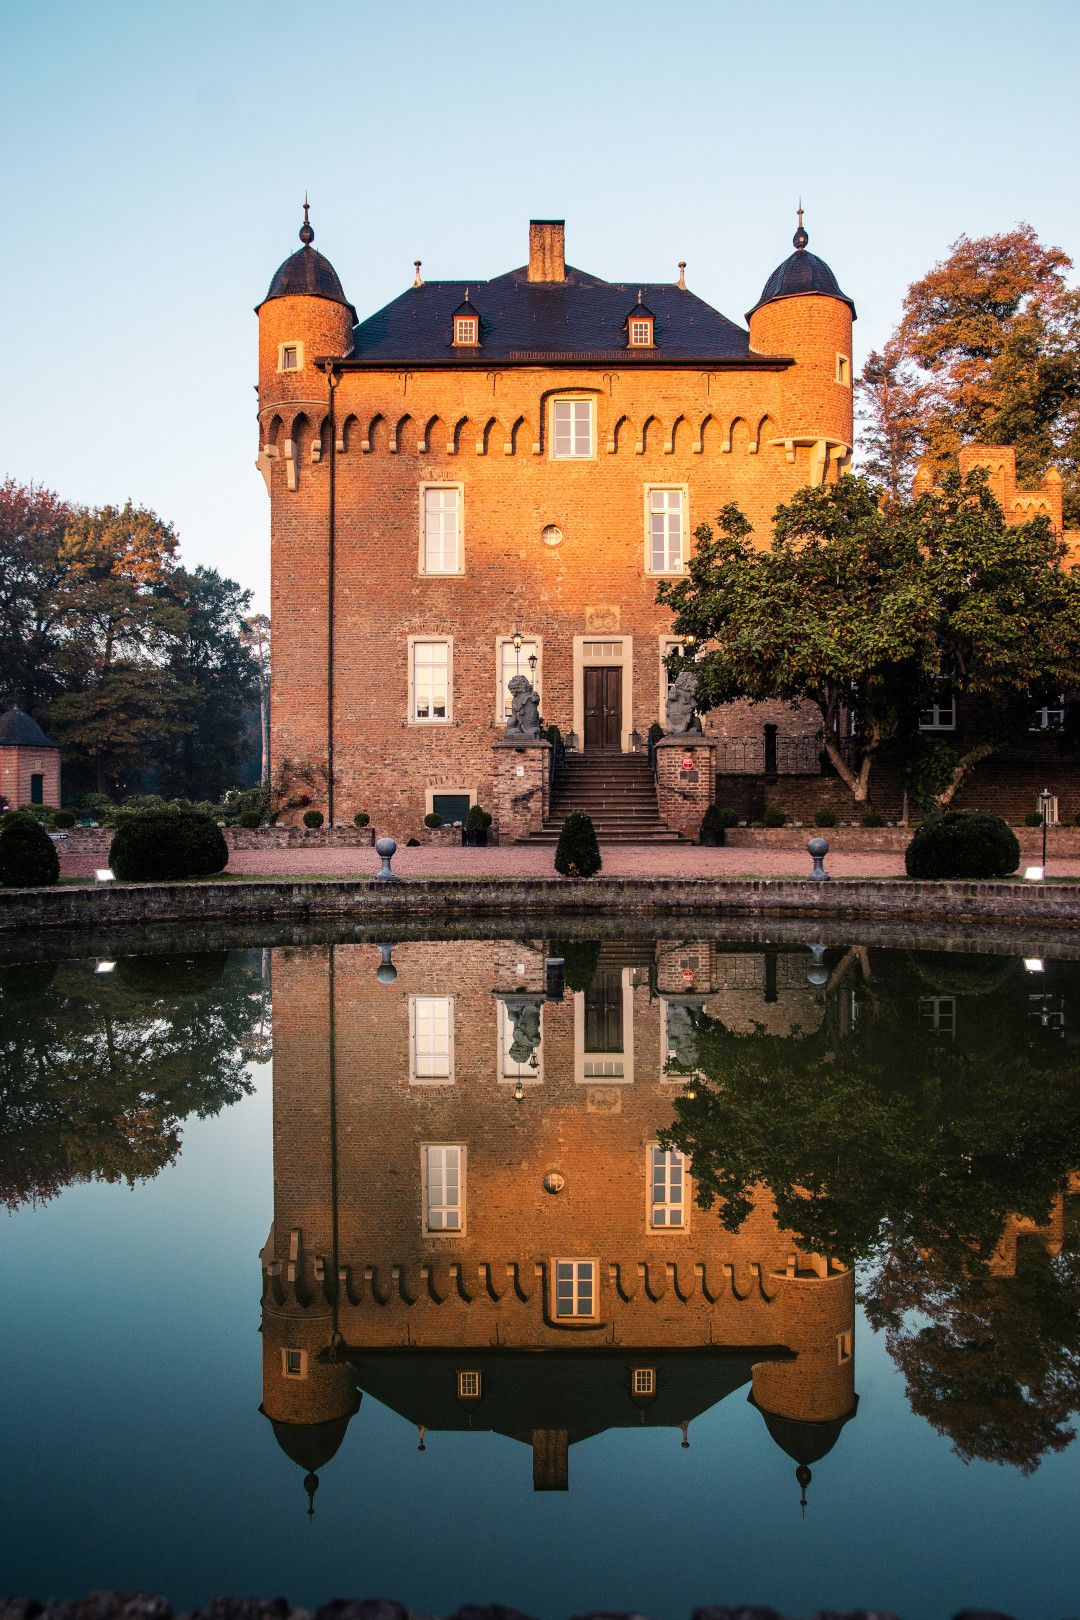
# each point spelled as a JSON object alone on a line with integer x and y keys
{"x": 962, "y": 844}
{"x": 313, "y": 818}
{"x": 361, "y": 818}
{"x": 433, "y": 819}
{"x": 63, "y": 819}
{"x": 1033, "y": 819}
{"x": 873, "y": 818}
{"x": 774, "y": 816}
{"x": 578, "y": 853}
{"x": 825, "y": 818}
{"x": 28, "y": 858}
{"x": 581, "y": 958}
{"x": 154, "y": 846}
{"x": 249, "y": 818}
{"x": 711, "y": 831}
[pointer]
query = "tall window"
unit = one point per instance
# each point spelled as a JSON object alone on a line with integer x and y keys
{"x": 939, "y": 716}
{"x": 575, "y": 1288}
{"x": 665, "y": 531}
{"x": 667, "y": 1182}
{"x": 442, "y": 531}
{"x": 572, "y": 420}
{"x": 431, "y": 680}
{"x": 445, "y": 1188}
{"x": 432, "y": 1039}
{"x": 515, "y": 661}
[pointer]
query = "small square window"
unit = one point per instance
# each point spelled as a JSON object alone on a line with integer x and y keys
{"x": 575, "y": 1291}
{"x": 469, "y": 1386}
{"x": 939, "y": 716}
{"x": 293, "y": 1362}
{"x": 290, "y": 357}
{"x": 644, "y": 1381}
{"x": 572, "y": 424}
{"x": 465, "y": 330}
{"x": 843, "y": 370}
{"x": 641, "y": 334}
{"x": 843, "y": 1346}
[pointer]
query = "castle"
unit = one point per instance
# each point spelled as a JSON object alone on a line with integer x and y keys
{"x": 467, "y": 1172}
{"x": 483, "y": 483}
{"x": 487, "y": 479}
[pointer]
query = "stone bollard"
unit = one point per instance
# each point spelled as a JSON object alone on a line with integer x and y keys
{"x": 384, "y": 848}
{"x": 818, "y": 848}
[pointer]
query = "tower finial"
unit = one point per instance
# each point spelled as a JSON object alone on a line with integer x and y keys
{"x": 682, "y": 275}
{"x": 307, "y": 233}
{"x": 800, "y": 238}
{"x": 418, "y": 280}
{"x": 311, "y": 1485}
{"x": 804, "y": 1476}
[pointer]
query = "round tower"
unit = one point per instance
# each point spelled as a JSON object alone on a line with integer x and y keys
{"x": 802, "y": 312}
{"x": 304, "y": 315}
{"x": 309, "y": 1395}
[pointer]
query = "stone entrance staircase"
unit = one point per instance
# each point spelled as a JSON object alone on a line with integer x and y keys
{"x": 617, "y": 791}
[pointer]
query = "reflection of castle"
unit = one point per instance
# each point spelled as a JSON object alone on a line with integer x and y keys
{"x": 474, "y": 1159}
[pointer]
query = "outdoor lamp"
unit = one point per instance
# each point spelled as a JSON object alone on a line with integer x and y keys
{"x": 571, "y": 742}
{"x": 104, "y": 874}
{"x": 691, "y": 1090}
{"x": 1046, "y": 799}
{"x": 532, "y": 662}
{"x": 519, "y": 1091}
{"x": 635, "y": 741}
{"x": 517, "y": 639}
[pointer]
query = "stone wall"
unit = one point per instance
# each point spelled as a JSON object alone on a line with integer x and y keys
{"x": 685, "y": 774}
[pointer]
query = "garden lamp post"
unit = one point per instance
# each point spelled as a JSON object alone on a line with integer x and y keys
{"x": 517, "y": 638}
{"x": 1046, "y": 798}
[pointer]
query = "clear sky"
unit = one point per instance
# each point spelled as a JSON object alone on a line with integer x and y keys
{"x": 155, "y": 154}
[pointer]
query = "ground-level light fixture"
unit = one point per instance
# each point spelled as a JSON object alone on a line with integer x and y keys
{"x": 104, "y": 874}
{"x": 1034, "y": 964}
{"x": 105, "y": 967}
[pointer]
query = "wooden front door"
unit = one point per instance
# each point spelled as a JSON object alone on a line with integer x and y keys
{"x": 603, "y": 708}
{"x": 604, "y": 1012}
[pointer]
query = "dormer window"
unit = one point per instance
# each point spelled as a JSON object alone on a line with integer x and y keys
{"x": 640, "y": 324}
{"x": 466, "y": 325}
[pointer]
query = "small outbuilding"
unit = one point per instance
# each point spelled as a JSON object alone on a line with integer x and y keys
{"x": 29, "y": 761}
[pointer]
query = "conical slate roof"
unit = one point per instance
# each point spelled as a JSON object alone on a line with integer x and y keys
{"x": 801, "y": 274}
{"x": 18, "y": 730}
{"x": 308, "y": 274}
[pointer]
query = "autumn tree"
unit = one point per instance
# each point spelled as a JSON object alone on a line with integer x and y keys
{"x": 987, "y": 351}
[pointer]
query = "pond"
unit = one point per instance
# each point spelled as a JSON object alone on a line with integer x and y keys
{"x": 564, "y": 1271}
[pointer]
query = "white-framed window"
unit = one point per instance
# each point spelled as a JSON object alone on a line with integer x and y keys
{"x": 466, "y": 329}
{"x": 441, "y": 526}
{"x": 641, "y": 332}
{"x": 643, "y": 1380}
{"x": 937, "y": 1014}
{"x": 575, "y": 1288}
{"x": 1051, "y": 717}
{"x": 294, "y": 1362}
{"x": 939, "y": 716}
{"x": 511, "y": 1068}
{"x": 470, "y": 1386}
{"x": 572, "y": 428}
{"x": 290, "y": 356}
{"x": 667, "y": 1188}
{"x": 430, "y": 675}
{"x": 843, "y": 1346}
{"x": 665, "y": 530}
{"x": 843, "y": 370}
{"x": 431, "y": 1040}
{"x": 444, "y": 1188}
{"x": 515, "y": 661}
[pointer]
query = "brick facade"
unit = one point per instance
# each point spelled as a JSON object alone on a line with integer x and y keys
{"x": 19, "y": 766}
{"x": 751, "y": 430}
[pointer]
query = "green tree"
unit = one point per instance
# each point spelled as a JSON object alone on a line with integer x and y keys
{"x": 123, "y": 620}
{"x": 212, "y": 660}
{"x": 987, "y": 351}
{"x": 33, "y": 521}
{"x": 256, "y": 637}
{"x": 866, "y": 608}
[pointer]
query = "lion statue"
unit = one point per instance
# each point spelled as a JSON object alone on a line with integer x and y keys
{"x": 682, "y": 704}
{"x": 524, "y": 708}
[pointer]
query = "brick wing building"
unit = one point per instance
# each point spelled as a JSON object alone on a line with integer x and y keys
{"x": 487, "y": 479}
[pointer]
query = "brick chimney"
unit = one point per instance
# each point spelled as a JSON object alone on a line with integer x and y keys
{"x": 547, "y": 250}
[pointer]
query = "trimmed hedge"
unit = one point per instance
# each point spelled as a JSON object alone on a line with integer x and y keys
{"x": 962, "y": 844}
{"x": 153, "y": 846}
{"x": 28, "y": 858}
{"x": 578, "y": 853}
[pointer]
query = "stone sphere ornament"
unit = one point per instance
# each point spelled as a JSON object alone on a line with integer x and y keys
{"x": 384, "y": 849}
{"x": 818, "y": 848}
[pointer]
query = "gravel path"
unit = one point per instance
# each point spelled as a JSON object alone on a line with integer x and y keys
{"x": 537, "y": 860}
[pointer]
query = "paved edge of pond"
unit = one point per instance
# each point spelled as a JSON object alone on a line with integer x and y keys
{"x": 1032, "y": 904}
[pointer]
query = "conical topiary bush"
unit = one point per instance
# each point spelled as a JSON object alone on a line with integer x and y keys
{"x": 578, "y": 853}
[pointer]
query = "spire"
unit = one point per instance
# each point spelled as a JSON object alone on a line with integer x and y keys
{"x": 307, "y": 231}
{"x": 421, "y": 1431}
{"x": 685, "y": 1442}
{"x": 804, "y": 1476}
{"x": 418, "y": 280}
{"x": 311, "y": 1485}
{"x": 682, "y": 275}
{"x": 800, "y": 238}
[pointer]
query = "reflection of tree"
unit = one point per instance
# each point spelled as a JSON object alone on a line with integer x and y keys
{"x": 98, "y": 1070}
{"x": 884, "y": 1144}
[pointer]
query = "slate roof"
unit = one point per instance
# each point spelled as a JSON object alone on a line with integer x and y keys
{"x": 18, "y": 730}
{"x": 801, "y": 273}
{"x": 310, "y": 274}
{"x": 581, "y": 318}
